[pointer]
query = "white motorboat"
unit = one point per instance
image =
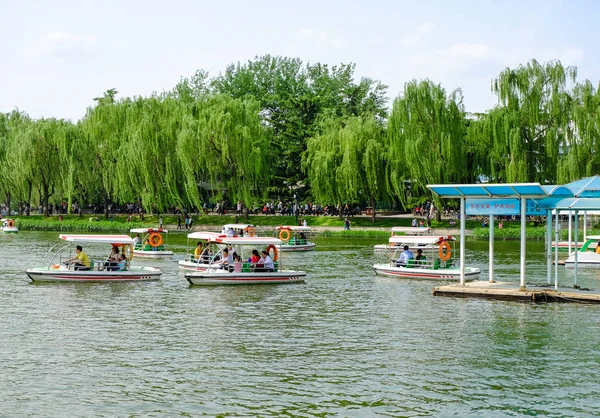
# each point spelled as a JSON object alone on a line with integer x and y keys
{"x": 56, "y": 269}
{"x": 295, "y": 238}
{"x": 239, "y": 230}
{"x": 193, "y": 260}
{"x": 8, "y": 225}
{"x": 437, "y": 262}
{"x": 243, "y": 272}
{"x": 586, "y": 258}
{"x": 152, "y": 243}
{"x": 402, "y": 231}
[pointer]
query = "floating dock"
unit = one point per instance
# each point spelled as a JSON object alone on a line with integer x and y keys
{"x": 512, "y": 291}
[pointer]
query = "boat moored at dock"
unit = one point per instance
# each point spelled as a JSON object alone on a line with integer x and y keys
{"x": 152, "y": 243}
{"x": 436, "y": 262}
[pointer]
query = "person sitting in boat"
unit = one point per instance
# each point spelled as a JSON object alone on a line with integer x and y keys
{"x": 404, "y": 257}
{"x": 230, "y": 232}
{"x": 598, "y": 248}
{"x": 267, "y": 262}
{"x": 81, "y": 261}
{"x": 227, "y": 261}
{"x": 113, "y": 259}
{"x": 302, "y": 238}
{"x": 420, "y": 257}
{"x": 199, "y": 251}
{"x": 237, "y": 263}
{"x": 122, "y": 262}
{"x": 137, "y": 241}
{"x": 254, "y": 260}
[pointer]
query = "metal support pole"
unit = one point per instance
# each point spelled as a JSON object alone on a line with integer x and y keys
{"x": 548, "y": 246}
{"x": 491, "y": 268}
{"x": 523, "y": 239}
{"x": 570, "y": 238}
{"x": 584, "y": 227}
{"x": 576, "y": 248}
{"x": 556, "y": 228}
{"x": 462, "y": 241}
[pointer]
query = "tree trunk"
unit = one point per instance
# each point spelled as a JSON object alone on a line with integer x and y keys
{"x": 45, "y": 197}
{"x": 105, "y": 206}
{"x": 8, "y": 203}
{"x": 340, "y": 215}
{"x": 29, "y": 190}
{"x": 373, "y": 211}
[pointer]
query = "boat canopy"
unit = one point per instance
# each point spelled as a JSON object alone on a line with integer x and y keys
{"x": 145, "y": 230}
{"x": 420, "y": 240}
{"x": 294, "y": 228}
{"x": 108, "y": 239}
{"x": 411, "y": 229}
{"x": 204, "y": 235}
{"x": 222, "y": 239}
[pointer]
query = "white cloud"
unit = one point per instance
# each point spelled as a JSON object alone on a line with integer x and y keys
{"x": 465, "y": 50}
{"x": 319, "y": 38}
{"x": 52, "y": 43}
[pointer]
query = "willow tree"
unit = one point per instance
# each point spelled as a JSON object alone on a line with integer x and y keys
{"x": 525, "y": 132}
{"x": 101, "y": 129}
{"x": 37, "y": 157}
{"x": 148, "y": 168}
{"x": 426, "y": 139}
{"x": 579, "y": 155}
{"x": 224, "y": 147}
{"x": 346, "y": 162}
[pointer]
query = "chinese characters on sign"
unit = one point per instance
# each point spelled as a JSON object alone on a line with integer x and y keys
{"x": 500, "y": 207}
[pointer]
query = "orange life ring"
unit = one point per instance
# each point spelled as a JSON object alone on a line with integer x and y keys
{"x": 11, "y": 223}
{"x": 155, "y": 239}
{"x": 251, "y": 231}
{"x": 274, "y": 248}
{"x": 285, "y": 235}
{"x": 445, "y": 251}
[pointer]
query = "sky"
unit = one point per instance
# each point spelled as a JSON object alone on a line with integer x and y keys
{"x": 56, "y": 56}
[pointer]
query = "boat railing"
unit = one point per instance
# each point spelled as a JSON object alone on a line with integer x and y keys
{"x": 433, "y": 264}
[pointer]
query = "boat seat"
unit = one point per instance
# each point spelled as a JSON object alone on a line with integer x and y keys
{"x": 410, "y": 263}
{"x": 91, "y": 264}
{"x": 246, "y": 268}
{"x": 276, "y": 266}
{"x": 436, "y": 264}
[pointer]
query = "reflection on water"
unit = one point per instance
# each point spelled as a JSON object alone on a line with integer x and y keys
{"x": 346, "y": 343}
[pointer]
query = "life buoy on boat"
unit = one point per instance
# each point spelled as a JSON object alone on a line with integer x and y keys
{"x": 285, "y": 235}
{"x": 128, "y": 251}
{"x": 155, "y": 240}
{"x": 11, "y": 223}
{"x": 250, "y": 231}
{"x": 445, "y": 251}
{"x": 275, "y": 255}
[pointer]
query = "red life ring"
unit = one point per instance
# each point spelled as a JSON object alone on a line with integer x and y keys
{"x": 275, "y": 254}
{"x": 251, "y": 231}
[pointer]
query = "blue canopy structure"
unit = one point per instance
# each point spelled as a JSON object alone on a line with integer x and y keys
{"x": 530, "y": 190}
{"x": 588, "y": 187}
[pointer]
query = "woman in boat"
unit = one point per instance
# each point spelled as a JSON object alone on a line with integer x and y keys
{"x": 267, "y": 262}
{"x": 598, "y": 248}
{"x": 227, "y": 261}
{"x": 254, "y": 260}
{"x": 113, "y": 259}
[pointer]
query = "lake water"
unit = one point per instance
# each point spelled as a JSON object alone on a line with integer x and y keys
{"x": 345, "y": 343}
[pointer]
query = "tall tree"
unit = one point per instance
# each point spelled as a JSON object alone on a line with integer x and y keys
{"x": 426, "y": 139}
{"x": 346, "y": 162}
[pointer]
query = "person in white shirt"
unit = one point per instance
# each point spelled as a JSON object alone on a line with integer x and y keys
{"x": 404, "y": 257}
{"x": 227, "y": 261}
{"x": 267, "y": 262}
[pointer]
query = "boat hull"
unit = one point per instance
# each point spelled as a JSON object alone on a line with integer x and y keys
{"x": 453, "y": 274}
{"x": 585, "y": 260}
{"x": 135, "y": 274}
{"x": 295, "y": 248}
{"x": 192, "y": 265}
{"x": 211, "y": 278}
{"x": 10, "y": 230}
{"x": 152, "y": 254}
